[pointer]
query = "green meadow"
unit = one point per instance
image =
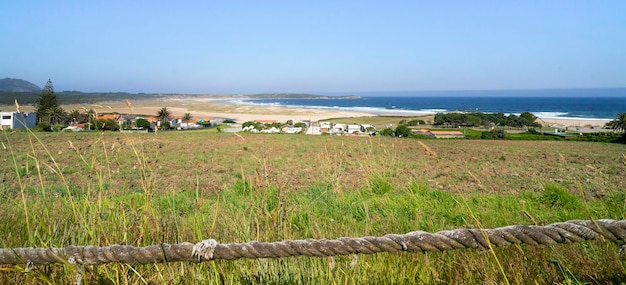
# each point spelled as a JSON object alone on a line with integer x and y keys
{"x": 94, "y": 188}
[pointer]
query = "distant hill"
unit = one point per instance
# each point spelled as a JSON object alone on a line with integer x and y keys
{"x": 18, "y": 85}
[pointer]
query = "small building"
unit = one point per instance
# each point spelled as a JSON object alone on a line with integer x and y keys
{"x": 353, "y": 129}
{"x": 272, "y": 130}
{"x": 18, "y": 120}
{"x": 339, "y": 128}
{"x": 115, "y": 117}
{"x": 325, "y": 127}
{"x": 293, "y": 130}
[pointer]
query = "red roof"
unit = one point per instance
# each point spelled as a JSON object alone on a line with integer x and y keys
{"x": 109, "y": 117}
{"x": 446, "y": 133}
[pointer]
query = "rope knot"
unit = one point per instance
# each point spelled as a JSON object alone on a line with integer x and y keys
{"x": 204, "y": 249}
{"x": 74, "y": 261}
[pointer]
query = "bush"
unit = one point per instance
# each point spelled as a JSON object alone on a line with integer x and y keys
{"x": 533, "y": 132}
{"x": 415, "y": 122}
{"x": 44, "y": 127}
{"x": 57, "y": 127}
{"x": 165, "y": 125}
{"x": 142, "y": 123}
{"x": 387, "y": 132}
{"x": 556, "y": 195}
{"x": 105, "y": 125}
{"x": 403, "y": 131}
{"x": 495, "y": 134}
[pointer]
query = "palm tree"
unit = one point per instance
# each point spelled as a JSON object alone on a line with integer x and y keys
{"x": 163, "y": 114}
{"x": 187, "y": 117}
{"x": 56, "y": 115}
{"x": 620, "y": 122}
{"x": 89, "y": 115}
{"x": 74, "y": 116}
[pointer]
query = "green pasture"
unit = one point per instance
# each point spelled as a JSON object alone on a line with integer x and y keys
{"x": 99, "y": 189}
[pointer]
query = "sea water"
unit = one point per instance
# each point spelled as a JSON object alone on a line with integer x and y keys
{"x": 572, "y": 103}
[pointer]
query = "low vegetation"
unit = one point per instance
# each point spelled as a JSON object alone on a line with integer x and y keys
{"x": 102, "y": 188}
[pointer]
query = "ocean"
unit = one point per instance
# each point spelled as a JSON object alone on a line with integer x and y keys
{"x": 572, "y": 104}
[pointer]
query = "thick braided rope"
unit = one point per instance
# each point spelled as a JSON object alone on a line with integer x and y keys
{"x": 418, "y": 241}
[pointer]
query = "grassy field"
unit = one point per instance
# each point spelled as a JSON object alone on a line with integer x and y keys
{"x": 99, "y": 189}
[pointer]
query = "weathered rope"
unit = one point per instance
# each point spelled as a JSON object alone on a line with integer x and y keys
{"x": 418, "y": 241}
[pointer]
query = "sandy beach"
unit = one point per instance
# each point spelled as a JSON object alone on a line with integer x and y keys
{"x": 583, "y": 124}
{"x": 212, "y": 107}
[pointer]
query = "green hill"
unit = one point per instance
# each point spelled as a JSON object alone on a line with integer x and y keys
{"x": 18, "y": 85}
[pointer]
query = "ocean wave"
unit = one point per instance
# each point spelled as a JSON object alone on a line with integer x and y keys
{"x": 360, "y": 109}
{"x": 564, "y": 115}
{"x": 387, "y": 109}
{"x": 550, "y": 115}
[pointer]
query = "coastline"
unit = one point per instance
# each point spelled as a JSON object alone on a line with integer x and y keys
{"x": 583, "y": 123}
{"x": 214, "y": 108}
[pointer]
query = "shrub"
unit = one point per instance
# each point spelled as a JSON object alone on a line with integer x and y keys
{"x": 556, "y": 195}
{"x": 387, "y": 132}
{"x": 415, "y": 122}
{"x": 105, "y": 125}
{"x": 495, "y": 134}
{"x": 44, "y": 127}
{"x": 142, "y": 123}
{"x": 57, "y": 127}
{"x": 403, "y": 131}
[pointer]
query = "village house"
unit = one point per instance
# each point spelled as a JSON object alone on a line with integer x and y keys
{"x": 325, "y": 127}
{"x": 292, "y": 130}
{"x": 339, "y": 128}
{"x": 18, "y": 120}
{"x": 352, "y": 129}
{"x": 115, "y": 117}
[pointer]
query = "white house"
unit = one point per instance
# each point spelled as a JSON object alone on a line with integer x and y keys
{"x": 339, "y": 128}
{"x": 325, "y": 127}
{"x": 354, "y": 128}
{"x": 293, "y": 130}
{"x": 18, "y": 120}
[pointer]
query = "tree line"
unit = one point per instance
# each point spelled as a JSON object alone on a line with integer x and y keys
{"x": 478, "y": 119}
{"x": 50, "y": 115}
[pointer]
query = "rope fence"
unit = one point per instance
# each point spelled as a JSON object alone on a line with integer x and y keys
{"x": 417, "y": 241}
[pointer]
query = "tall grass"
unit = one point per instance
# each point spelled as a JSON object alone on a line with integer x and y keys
{"x": 141, "y": 189}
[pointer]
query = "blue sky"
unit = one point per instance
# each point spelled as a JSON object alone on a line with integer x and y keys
{"x": 313, "y": 46}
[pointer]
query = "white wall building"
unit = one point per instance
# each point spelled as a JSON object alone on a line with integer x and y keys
{"x": 18, "y": 120}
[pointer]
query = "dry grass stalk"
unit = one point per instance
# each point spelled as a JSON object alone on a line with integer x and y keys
{"x": 129, "y": 106}
{"x": 476, "y": 180}
{"x": 239, "y": 136}
{"x": 427, "y": 149}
